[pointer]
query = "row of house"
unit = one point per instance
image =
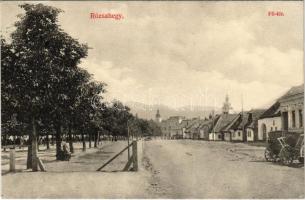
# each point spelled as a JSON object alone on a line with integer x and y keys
{"x": 285, "y": 114}
{"x": 237, "y": 127}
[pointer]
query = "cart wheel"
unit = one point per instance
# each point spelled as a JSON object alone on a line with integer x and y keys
{"x": 286, "y": 155}
{"x": 269, "y": 156}
{"x": 301, "y": 156}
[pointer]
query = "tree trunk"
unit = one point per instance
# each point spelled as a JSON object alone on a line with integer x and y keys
{"x": 99, "y": 138}
{"x": 83, "y": 140}
{"x": 29, "y": 159}
{"x": 14, "y": 139}
{"x": 95, "y": 139}
{"x": 75, "y": 138}
{"x": 19, "y": 139}
{"x": 52, "y": 139}
{"x": 90, "y": 138}
{"x": 47, "y": 141}
{"x": 58, "y": 139}
{"x": 5, "y": 138}
{"x": 38, "y": 142}
{"x": 70, "y": 140}
{"x": 34, "y": 146}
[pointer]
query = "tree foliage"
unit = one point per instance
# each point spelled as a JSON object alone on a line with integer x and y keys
{"x": 44, "y": 89}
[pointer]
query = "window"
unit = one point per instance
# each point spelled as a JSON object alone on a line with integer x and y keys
{"x": 249, "y": 134}
{"x": 271, "y": 129}
{"x": 275, "y": 128}
{"x": 273, "y": 122}
{"x": 219, "y": 136}
{"x": 238, "y": 133}
{"x": 293, "y": 118}
{"x": 301, "y": 118}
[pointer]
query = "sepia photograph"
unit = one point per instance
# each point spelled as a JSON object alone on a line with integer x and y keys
{"x": 152, "y": 100}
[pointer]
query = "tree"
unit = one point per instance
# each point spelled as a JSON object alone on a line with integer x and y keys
{"x": 86, "y": 113}
{"x": 44, "y": 61}
{"x": 8, "y": 100}
{"x": 116, "y": 117}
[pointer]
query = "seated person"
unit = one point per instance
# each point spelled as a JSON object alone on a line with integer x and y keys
{"x": 65, "y": 148}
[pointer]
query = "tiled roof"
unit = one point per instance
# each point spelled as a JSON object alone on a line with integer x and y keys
{"x": 244, "y": 121}
{"x": 208, "y": 122}
{"x": 273, "y": 111}
{"x": 293, "y": 91}
{"x": 194, "y": 124}
{"x": 256, "y": 114}
{"x": 223, "y": 121}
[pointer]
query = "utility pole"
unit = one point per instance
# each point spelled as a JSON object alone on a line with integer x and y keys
{"x": 242, "y": 117}
{"x": 128, "y": 139}
{"x": 213, "y": 124}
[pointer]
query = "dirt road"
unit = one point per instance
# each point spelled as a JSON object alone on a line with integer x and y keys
{"x": 200, "y": 169}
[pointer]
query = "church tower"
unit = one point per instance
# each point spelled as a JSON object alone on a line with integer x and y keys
{"x": 158, "y": 117}
{"x": 226, "y": 106}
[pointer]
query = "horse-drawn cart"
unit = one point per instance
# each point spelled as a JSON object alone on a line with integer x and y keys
{"x": 285, "y": 147}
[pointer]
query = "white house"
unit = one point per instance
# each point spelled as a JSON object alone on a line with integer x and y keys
{"x": 204, "y": 129}
{"x": 292, "y": 108}
{"x": 269, "y": 121}
{"x": 250, "y": 135}
{"x": 219, "y": 131}
{"x": 238, "y": 129}
{"x": 252, "y": 127}
{"x": 215, "y": 136}
{"x": 237, "y": 135}
{"x": 171, "y": 128}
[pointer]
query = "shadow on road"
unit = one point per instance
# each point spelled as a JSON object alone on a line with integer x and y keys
{"x": 293, "y": 165}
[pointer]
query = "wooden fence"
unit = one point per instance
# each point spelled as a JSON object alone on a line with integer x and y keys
{"x": 132, "y": 160}
{"x": 12, "y": 162}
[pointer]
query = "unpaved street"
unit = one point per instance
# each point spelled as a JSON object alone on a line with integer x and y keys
{"x": 200, "y": 169}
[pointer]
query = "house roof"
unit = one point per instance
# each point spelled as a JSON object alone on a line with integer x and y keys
{"x": 273, "y": 111}
{"x": 194, "y": 124}
{"x": 197, "y": 124}
{"x": 208, "y": 122}
{"x": 223, "y": 121}
{"x": 292, "y": 91}
{"x": 256, "y": 114}
{"x": 244, "y": 120}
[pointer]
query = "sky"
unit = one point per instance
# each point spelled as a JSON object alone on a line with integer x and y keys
{"x": 187, "y": 53}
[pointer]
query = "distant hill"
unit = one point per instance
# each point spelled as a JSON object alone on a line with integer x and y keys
{"x": 149, "y": 111}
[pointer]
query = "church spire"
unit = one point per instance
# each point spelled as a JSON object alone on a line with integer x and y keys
{"x": 158, "y": 116}
{"x": 226, "y": 106}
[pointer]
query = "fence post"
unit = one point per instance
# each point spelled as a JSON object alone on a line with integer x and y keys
{"x": 41, "y": 165}
{"x": 12, "y": 160}
{"x": 135, "y": 155}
